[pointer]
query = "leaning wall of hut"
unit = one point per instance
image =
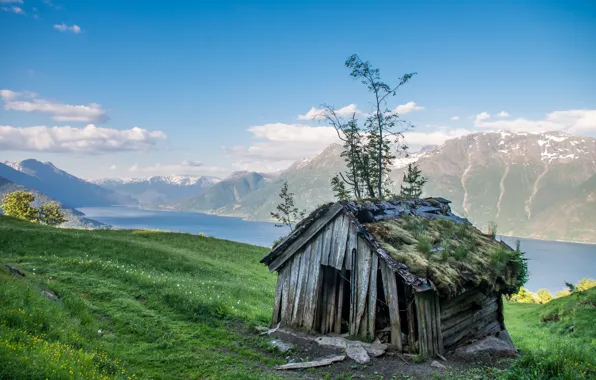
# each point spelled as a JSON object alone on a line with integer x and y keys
{"x": 470, "y": 315}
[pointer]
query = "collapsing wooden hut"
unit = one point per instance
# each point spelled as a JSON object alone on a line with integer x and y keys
{"x": 408, "y": 272}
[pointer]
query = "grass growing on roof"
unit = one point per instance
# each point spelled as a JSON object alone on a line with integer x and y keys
{"x": 132, "y": 303}
{"x": 451, "y": 254}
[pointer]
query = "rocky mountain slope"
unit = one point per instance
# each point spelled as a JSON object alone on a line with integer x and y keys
{"x": 60, "y": 185}
{"x": 76, "y": 219}
{"x": 533, "y": 185}
{"x": 158, "y": 190}
{"x": 518, "y": 180}
{"x": 226, "y": 193}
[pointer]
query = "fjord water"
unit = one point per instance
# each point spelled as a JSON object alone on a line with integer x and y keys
{"x": 551, "y": 263}
{"x": 222, "y": 227}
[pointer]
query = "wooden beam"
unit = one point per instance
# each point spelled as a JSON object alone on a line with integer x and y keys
{"x": 437, "y": 326}
{"x": 293, "y": 284}
{"x": 411, "y": 317}
{"x": 277, "y": 303}
{"x": 284, "y": 275}
{"x": 306, "y": 236}
{"x": 372, "y": 295}
{"x": 351, "y": 247}
{"x": 312, "y": 289}
{"x": 333, "y": 298}
{"x": 392, "y": 301}
{"x": 363, "y": 254}
{"x": 303, "y": 279}
{"x": 327, "y": 235}
{"x": 341, "y": 241}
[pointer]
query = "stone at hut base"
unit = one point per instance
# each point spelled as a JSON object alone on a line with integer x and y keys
{"x": 356, "y": 352}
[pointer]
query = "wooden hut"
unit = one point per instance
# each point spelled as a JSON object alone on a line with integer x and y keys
{"x": 408, "y": 272}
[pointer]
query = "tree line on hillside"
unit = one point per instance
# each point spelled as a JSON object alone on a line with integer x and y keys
{"x": 544, "y": 296}
{"x": 18, "y": 205}
{"x": 368, "y": 148}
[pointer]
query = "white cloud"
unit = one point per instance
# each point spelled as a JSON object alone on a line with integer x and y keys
{"x": 14, "y": 9}
{"x": 65, "y": 28}
{"x": 181, "y": 168}
{"x": 87, "y": 140}
{"x": 455, "y": 118}
{"x": 30, "y": 102}
{"x": 317, "y": 113}
{"x": 113, "y": 167}
{"x": 278, "y": 145}
{"x": 407, "y": 108}
{"x": 571, "y": 121}
{"x": 482, "y": 116}
{"x": 503, "y": 114}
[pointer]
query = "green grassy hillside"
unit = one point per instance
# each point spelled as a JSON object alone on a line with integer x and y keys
{"x": 131, "y": 304}
{"x": 557, "y": 339}
{"x": 141, "y": 304}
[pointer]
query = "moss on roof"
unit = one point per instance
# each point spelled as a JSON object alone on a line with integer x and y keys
{"x": 452, "y": 255}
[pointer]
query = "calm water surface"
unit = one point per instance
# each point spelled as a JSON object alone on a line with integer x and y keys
{"x": 256, "y": 233}
{"x": 551, "y": 263}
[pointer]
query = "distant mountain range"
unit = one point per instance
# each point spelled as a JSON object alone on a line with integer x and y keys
{"x": 65, "y": 188}
{"x": 537, "y": 185}
{"x": 158, "y": 190}
{"x": 75, "y": 219}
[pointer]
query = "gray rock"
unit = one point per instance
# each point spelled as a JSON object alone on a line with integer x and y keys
{"x": 436, "y": 364}
{"x": 333, "y": 342}
{"x": 491, "y": 346}
{"x": 374, "y": 349}
{"x": 356, "y": 352}
{"x": 261, "y": 329}
{"x": 281, "y": 346}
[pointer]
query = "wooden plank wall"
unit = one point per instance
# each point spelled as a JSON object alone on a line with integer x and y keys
{"x": 430, "y": 338}
{"x": 470, "y": 315}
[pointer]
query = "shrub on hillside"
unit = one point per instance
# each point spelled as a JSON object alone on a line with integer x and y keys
{"x": 18, "y": 205}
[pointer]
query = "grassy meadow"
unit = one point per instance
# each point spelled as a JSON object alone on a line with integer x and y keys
{"x": 140, "y": 304}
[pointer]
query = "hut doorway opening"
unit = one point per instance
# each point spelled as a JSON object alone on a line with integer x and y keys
{"x": 334, "y": 299}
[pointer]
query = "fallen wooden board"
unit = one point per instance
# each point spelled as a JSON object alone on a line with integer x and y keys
{"x": 311, "y": 364}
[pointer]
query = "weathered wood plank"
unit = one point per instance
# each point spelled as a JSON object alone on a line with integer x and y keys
{"x": 424, "y": 333}
{"x": 490, "y": 305}
{"x": 488, "y": 324}
{"x": 460, "y": 303}
{"x": 325, "y": 300}
{"x": 277, "y": 303}
{"x": 313, "y": 284}
{"x": 327, "y": 234}
{"x": 341, "y": 242}
{"x": 437, "y": 327}
{"x": 469, "y": 319}
{"x": 411, "y": 317}
{"x": 392, "y": 301}
{"x": 306, "y": 236}
{"x": 353, "y": 295}
{"x": 372, "y": 295}
{"x": 293, "y": 284}
{"x": 351, "y": 246}
{"x": 363, "y": 254}
{"x": 363, "y": 328}
{"x": 285, "y": 272}
{"x": 303, "y": 279}
{"x": 340, "y": 301}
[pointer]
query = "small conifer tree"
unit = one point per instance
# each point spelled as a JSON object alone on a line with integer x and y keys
{"x": 413, "y": 183}
{"x": 288, "y": 214}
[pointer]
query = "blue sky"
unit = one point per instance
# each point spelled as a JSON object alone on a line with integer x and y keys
{"x": 137, "y": 88}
